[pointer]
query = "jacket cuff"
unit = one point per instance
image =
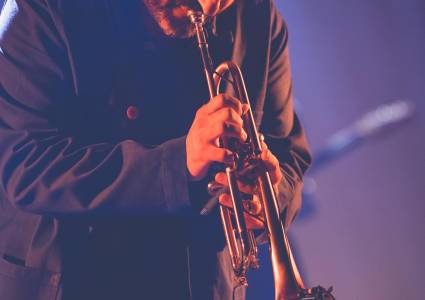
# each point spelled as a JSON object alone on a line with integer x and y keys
{"x": 174, "y": 175}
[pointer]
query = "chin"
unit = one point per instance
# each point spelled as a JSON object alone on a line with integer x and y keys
{"x": 177, "y": 24}
{"x": 173, "y": 20}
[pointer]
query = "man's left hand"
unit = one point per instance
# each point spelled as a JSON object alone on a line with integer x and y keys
{"x": 253, "y": 207}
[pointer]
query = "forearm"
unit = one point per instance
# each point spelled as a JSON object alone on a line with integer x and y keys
{"x": 294, "y": 158}
{"x": 281, "y": 126}
{"x": 47, "y": 176}
{"x": 52, "y": 160}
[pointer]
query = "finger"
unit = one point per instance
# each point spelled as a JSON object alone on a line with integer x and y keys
{"x": 252, "y": 217}
{"x": 264, "y": 145}
{"x": 270, "y": 161}
{"x": 221, "y": 101}
{"x": 225, "y": 121}
{"x": 247, "y": 188}
{"x": 221, "y": 178}
{"x": 224, "y": 101}
{"x": 271, "y": 164}
{"x": 226, "y": 114}
{"x": 253, "y": 223}
{"x": 216, "y": 154}
{"x": 225, "y": 200}
{"x": 225, "y": 129}
{"x": 251, "y": 207}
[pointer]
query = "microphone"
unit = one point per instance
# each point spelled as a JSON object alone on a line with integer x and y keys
{"x": 372, "y": 123}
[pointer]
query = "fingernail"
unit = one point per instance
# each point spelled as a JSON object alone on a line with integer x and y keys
{"x": 245, "y": 108}
{"x": 244, "y": 135}
{"x": 218, "y": 177}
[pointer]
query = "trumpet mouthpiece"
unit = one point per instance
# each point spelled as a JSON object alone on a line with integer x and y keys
{"x": 196, "y": 17}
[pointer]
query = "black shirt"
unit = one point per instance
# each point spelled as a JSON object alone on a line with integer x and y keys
{"x": 96, "y": 199}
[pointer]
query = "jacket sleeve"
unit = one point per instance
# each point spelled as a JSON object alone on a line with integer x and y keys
{"x": 280, "y": 125}
{"x": 45, "y": 169}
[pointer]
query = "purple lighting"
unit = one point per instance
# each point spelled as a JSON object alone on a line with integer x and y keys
{"x": 364, "y": 234}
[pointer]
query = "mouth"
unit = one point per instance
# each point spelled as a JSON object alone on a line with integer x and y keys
{"x": 180, "y": 11}
{"x": 172, "y": 16}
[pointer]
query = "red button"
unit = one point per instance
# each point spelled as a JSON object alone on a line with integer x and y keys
{"x": 132, "y": 112}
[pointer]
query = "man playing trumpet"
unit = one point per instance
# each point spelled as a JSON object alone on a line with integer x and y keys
{"x": 108, "y": 139}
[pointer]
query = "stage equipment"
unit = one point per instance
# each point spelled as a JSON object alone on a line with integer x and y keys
{"x": 381, "y": 119}
{"x": 241, "y": 241}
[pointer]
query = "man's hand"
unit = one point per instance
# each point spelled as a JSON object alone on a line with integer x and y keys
{"x": 253, "y": 207}
{"x": 220, "y": 117}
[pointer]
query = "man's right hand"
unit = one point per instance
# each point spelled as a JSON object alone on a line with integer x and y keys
{"x": 220, "y": 117}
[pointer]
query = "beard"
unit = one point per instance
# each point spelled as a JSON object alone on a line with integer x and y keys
{"x": 171, "y": 16}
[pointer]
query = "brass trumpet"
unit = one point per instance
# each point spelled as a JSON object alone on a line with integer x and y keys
{"x": 242, "y": 245}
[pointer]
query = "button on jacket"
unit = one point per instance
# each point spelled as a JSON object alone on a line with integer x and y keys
{"x": 95, "y": 202}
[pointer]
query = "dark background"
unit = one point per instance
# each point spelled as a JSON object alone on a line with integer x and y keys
{"x": 363, "y": 231}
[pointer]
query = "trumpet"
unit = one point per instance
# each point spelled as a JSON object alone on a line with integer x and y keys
{"x": 241, "y": 241}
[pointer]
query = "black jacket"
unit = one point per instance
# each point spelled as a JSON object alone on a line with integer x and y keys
{"x": 95, "y": 201}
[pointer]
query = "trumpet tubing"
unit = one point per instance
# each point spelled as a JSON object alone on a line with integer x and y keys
{"x": 241, "y": 242}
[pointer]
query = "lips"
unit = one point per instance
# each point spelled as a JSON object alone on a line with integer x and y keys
{"x": 180, "y": 12}
{"x": 171, "y": 16}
